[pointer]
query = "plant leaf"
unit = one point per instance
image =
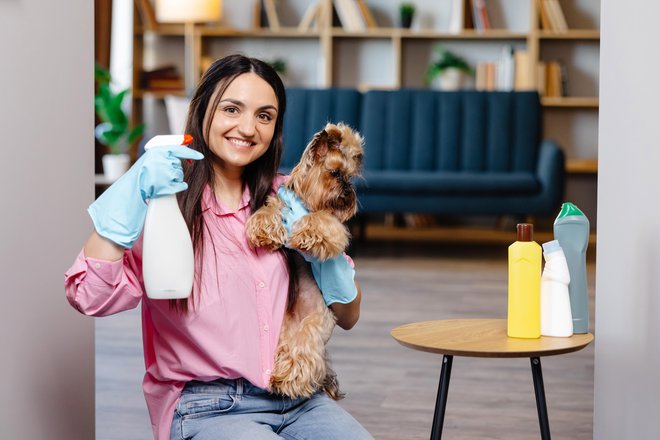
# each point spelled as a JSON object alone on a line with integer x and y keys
{"x": 135, "y": 133}
{"x": 101, "y": 74}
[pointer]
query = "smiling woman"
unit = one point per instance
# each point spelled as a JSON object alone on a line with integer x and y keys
{"x": 222, "y": 339}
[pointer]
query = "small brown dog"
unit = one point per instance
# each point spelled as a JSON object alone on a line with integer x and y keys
{"x": 322, "y": 180}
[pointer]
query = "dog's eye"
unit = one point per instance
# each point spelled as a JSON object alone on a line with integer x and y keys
{"x": 335, "y": 173}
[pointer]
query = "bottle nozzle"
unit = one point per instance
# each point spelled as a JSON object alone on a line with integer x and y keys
{"x": 568, "y": 208}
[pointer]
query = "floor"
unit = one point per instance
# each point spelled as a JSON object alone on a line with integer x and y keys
{"x": 389, "y": 388}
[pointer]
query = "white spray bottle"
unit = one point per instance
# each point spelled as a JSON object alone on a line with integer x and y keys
{"x": 167, "y": 254}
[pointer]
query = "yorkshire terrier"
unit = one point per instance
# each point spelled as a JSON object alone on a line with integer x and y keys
{"x": 323, "y": 182}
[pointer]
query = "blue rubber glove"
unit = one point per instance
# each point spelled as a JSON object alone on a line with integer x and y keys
{"x": 119, "y": 213}
{"x": 335, "y": 277}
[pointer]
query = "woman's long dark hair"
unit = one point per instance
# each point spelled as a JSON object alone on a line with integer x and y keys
{"x": 258, "y": 175}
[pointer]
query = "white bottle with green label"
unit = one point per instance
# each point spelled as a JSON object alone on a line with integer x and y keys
{"x": 571, "y": 229}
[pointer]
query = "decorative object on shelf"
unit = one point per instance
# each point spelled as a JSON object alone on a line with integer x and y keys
{"x": 189, "y": 13}
{"x": 406, "y": 14}
{"x": 447, "y": 71}
{"x": 279, "y": 65}
{"x": 456, "y": 17}
{"x": 176, "y": 108}
{"x": 114, "y": 130}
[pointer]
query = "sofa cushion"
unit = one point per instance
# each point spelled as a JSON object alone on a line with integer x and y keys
{"x": 422, "y": 130}
{"x": 307, "y": 112}
{"x": 447, "y": 182}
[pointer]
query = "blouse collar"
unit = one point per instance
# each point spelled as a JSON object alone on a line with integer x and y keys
{"x": 210, "y": 201}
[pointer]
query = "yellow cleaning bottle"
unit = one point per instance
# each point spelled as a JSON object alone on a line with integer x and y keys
{"x": 524, "y": 315}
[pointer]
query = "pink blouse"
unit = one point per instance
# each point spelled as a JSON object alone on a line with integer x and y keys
{"x": 233, "y": 328}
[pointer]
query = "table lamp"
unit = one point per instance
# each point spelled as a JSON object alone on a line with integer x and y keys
{"x": 188, "y": 12}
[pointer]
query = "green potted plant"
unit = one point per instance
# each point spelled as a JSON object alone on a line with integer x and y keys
{"x": 406, "y": 14}
{"x": 114, "y": 130}
{"x": 280, "y": 66}
{"x": 447, "y": 71}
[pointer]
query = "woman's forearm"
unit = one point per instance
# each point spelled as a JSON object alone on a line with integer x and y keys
{"x": 101, "y": 248}
{"x": 348, "y": 314}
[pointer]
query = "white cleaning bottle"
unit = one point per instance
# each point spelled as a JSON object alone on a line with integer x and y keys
{"x": 167, "y": 254}
{"x": 556, "y": 318}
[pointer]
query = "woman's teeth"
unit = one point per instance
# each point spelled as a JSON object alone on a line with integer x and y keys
{"x": 240, "y": 142}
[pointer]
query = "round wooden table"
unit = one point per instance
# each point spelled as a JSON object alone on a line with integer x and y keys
{"x": 483, "y": 338}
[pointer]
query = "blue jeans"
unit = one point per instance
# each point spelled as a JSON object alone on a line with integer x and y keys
{"x": 236, "y": 410}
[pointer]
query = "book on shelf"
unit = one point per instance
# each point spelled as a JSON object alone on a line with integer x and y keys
{"x": 486, "y": 77}
{"x": 497, "y": 75}
{"x": 553, "y": 81}
{"x": 525, "y": 71}
{"x": 556, "y": 85}
{"x": 563, "y": 74}
{"x": 161, "y": 79}
{"x": 270, "y": 10}
{"x": 480, "y": 16}
{"x": 205, "y": 62}
{"x": 541, "y": 78}
{"x": 350, "y": 16}
{"x": 311, "y": 17}
{"x": 367, "y": 15}
{"x": 546, "y": 25}
{"x": 554, "y": 15}
{"x": 257, "y": 17}
{"x": 147, "y": 15}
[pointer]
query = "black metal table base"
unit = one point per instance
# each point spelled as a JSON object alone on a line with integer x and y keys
{"x": 443, "y": 390}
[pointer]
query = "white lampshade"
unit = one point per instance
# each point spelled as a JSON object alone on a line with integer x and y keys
{"x": 188, "y": 11}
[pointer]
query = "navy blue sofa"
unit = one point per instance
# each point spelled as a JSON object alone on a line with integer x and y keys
{"x": 467, "y": 152}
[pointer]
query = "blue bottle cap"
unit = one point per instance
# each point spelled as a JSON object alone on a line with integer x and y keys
{"x": 551, "y": 246}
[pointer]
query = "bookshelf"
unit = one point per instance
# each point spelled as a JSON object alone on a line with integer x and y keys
{"x": 391, "y": 57}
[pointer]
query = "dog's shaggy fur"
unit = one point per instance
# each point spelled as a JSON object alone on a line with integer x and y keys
{"x": 322, "y": 180}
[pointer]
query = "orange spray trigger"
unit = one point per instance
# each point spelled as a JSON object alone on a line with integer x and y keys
{"x": 187, "y": 139}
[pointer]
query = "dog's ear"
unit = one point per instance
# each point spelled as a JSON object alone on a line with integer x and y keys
{"x": 319, "y": 147}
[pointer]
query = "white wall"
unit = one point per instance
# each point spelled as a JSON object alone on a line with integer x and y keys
{"x": 46, "y": 126}
{"x": 627, "y": 371}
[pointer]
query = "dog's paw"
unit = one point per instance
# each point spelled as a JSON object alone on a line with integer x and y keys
{"x": 320, "y": 235}
{"x": 263, "y": 229}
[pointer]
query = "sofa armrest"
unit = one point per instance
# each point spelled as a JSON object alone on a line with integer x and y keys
{"x": 550, "y": 170}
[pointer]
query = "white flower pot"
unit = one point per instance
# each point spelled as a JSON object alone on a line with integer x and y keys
{"x": 115, "y": 165}
{"x": 450, "y": 79}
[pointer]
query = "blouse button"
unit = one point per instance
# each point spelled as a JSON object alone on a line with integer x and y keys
{"x": 266, "y": 327}
{"x": 97, "y": 265}
{"x": 261, "y": 284}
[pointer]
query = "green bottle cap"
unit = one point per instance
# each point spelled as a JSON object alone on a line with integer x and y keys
{"x": 567, "y": 208}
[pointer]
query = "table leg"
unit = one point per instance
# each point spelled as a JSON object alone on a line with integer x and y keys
{"x": 441, "y": 400}
{"x": 539, "y": 390}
